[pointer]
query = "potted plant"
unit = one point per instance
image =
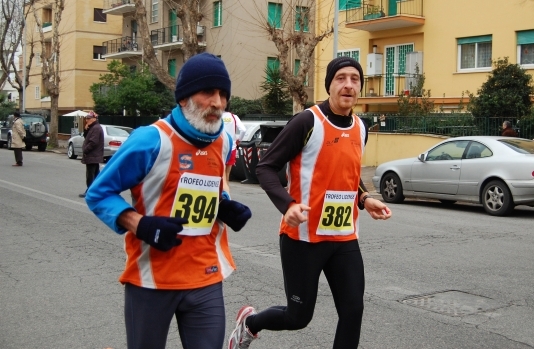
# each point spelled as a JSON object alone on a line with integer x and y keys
{"x": 372, "y": 12}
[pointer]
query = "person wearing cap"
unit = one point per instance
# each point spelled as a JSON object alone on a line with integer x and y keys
{"x": 92, "y": 148}
{"x": 319, "y": 230}
{"x": 18, "y": 133}
{"x": 175, "y": 231}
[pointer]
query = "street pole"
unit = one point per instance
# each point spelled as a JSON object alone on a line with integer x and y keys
{"x": 336, "y": 18}
{"x": 23, "y": 41}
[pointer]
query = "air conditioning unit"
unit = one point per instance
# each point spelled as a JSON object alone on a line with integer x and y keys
{"x": 374, "y": 64}
{"x": 200, "y": 30}
{"x": 414, "y": 66}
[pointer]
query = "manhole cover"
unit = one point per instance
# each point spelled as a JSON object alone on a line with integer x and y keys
{"x": 453, "y": 303}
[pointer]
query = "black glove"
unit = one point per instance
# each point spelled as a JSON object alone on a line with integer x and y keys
{"x": 160, "y": 232}
{"x": 234, "y": 214}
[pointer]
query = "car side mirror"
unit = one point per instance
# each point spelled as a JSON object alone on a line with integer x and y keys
{"x": 421, "y": 157}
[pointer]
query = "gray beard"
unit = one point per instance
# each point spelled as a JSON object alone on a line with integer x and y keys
{"x": 196, "y": 117}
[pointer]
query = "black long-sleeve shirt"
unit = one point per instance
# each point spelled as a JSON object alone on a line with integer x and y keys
{"x": 287, "y": 145}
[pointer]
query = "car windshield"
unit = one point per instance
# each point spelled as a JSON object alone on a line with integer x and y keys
{"x": 117, "y": 132}
{"x": 30, "y": 119}
{"x": 523, "y": 146}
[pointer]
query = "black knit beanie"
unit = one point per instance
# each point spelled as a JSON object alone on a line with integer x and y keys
{"x": 338, "y": 63}
{"x": 201, "y": 72}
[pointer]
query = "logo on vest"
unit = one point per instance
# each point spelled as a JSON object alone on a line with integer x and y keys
{"x": 186, "y": 161}
{"x": 328, "y": 143}
{"x": 202, "y": 152}
{"x": 343, "y": 134}
{"x": 211, "y": 270}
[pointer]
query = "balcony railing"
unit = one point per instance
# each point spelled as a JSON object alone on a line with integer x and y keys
{"x": 388, "y": 85}
{"x": 118, "y": 7}
{"x": 172, "y": 37}
{"x": 124, "y": 47}
{"x": 375, "y": 15}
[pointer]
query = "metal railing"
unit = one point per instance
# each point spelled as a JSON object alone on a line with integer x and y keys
{"x": 385, "y": 85}
{"x": 108, "y": 4}
{"x": 372, "y": 9}
{"x": 126, "y": 43}
{"x": 166, "y": 35}
{"x": 448, "y": 124}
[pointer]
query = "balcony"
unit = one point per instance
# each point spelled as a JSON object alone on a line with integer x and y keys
{"x": 171, "y": 38}
{"x": 376, "y": 15}
{"x": 380, "y": 88}
{"x": 125, "y": 47}
{"x": 118, "y": 7}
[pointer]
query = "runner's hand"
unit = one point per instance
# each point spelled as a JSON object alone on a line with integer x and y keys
{"x": 160, "y": 232}
{"x": 234, "y": 214}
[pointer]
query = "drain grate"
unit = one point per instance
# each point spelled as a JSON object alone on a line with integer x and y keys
{"x": 453, "y": 303}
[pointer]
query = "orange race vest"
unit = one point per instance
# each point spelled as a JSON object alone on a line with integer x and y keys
{"x": 185, "y": 181}
{"x": 325, "y": 176}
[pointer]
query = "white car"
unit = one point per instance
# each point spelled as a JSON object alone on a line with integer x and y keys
{"x": 497, "y": 172}
{"x": 114, "y": 136}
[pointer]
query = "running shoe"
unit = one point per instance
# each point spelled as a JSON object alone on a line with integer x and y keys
{"x": 241, "y": 336}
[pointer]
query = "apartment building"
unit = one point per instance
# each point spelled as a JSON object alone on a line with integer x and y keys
{"x": 452, "y": 42}
{"x": 82, "y": 30}
{"x": 231, "y": 29}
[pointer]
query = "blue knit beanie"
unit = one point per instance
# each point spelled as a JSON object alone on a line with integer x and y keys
{"x": 201, "y": 72}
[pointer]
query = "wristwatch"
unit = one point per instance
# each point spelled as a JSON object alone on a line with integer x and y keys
{"x": 361, "y": 202}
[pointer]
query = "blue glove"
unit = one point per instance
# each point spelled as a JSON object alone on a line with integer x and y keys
{"x": 160, "y": 232}
{"x": 233, "y": 213}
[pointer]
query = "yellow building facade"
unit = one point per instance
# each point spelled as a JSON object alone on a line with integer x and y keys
{"x": 82, "y": 30}
{"x": 452, "y": 42}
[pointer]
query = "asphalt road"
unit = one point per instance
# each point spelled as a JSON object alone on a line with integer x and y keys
{"x": 436, "y": 277}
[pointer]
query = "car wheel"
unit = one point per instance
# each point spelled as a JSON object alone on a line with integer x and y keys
{"x": 447, "y": 202}
{"x": 497, "y": 199}
{"x": 70, "y": 152}
{"x": 391, "y": 188}
{"x": 9, "y": 142}
{"x": 41, "y": 147}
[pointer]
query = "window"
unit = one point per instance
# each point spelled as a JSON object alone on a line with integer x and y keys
{"x": 395, "y": 66}
{"x": 99, "y": 16}
{"x": 154, "y": 11}
{"x": 37, "y": 92}
{"x": 353, "y": 53}
{"x": 98, "y": 51}
{"x": 217, "y": 13}
{"x": 302, "y": 18}
{"x": 171, "y": 67}
{"x": 37, "y": 59}
{"x": 349, "y": 4}
{"x": 448, "y": 151}
{"x": 296, "y": 69}
{"x": 273, "y": 65}
{"x": 275, "y": 15}
{"x": 474, "y": 53}
{"x": 525, "y": 47}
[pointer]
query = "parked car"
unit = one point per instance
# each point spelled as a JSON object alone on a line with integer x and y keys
{"x": 114, "y": 136}
{"x": 36, "y": 131}
{"x": 252, "y": 134}
{"x": 497, "y": 172}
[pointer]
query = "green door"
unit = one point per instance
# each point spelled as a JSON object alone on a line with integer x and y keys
{"x": 173, "y": 32}
{"x": 392, "y": 7}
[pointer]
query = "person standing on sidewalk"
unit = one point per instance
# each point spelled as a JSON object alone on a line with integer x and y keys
{"x": 18, "y": 133}
{"x": 323, "y": 148}
{"x": 175, "y": 233}
{"x": 92, "y": 149}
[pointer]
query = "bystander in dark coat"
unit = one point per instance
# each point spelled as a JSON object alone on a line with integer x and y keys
{"x": 92, "y": 148}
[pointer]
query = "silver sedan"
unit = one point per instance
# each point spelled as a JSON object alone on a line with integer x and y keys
{"x": 114, "y": 136}
{"x": 497, "y": 172}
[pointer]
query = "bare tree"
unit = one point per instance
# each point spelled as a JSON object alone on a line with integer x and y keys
{"x": 294, "y": 31}
{"x": 12, "y": 23}
{"x": 50, "y": 73}
{"x": 189, "y": 13}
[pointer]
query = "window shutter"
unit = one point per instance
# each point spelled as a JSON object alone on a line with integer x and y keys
{"x": 525, "y": 37}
